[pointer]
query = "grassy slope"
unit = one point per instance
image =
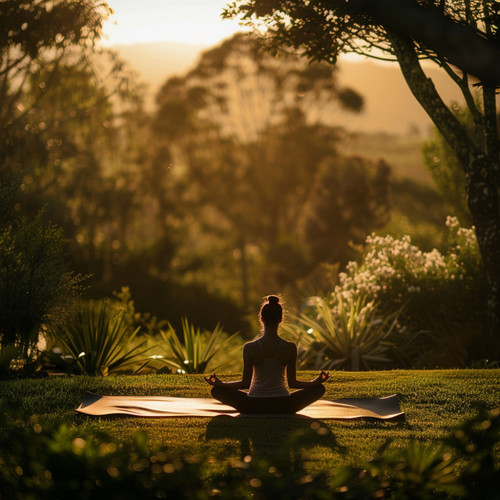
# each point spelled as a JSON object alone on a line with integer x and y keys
{"x": 434, "y": 402}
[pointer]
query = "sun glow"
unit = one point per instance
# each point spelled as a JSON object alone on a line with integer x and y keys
{"x": 185, "y": 21}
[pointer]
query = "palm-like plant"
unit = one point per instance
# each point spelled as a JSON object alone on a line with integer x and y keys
{"x": 198, "y": 350}
{"x": 350, "y": 335}
{"x": 100, "y": 342}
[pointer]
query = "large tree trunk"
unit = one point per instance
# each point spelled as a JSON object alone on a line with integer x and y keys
{"x": 482, "y": 169}
{"x": 483, "y": 199}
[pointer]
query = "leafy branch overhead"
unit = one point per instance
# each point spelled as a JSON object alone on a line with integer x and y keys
{"x": 463, "y": 33}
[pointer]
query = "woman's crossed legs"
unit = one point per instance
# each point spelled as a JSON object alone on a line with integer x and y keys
{"x": 284, "y": 404}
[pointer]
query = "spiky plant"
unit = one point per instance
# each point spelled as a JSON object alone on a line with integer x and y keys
{"x": 348, "y": 335}
{"x": 100, "y": 342}
{"x": 197, "y": 351}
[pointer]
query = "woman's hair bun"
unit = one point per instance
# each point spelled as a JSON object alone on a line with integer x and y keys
{"x": 271, "y": 310}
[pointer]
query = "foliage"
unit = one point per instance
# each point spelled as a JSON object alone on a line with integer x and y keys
{"x": 62, "y": 462}
{"x": 432, "y": 471}
{"x": 436, "y": 289}
{"x": 349, "y": 200}
{"x": 39, "y": 37}
{"x": 198, "y": 351}
{"x": 73, "y": 134}
{"x": 216, "y": 92}
{"x": 416, "y": 206}
{"x": 350, "y": 334}
{"x": 146, "y": 322}
{"x": 419, "y": 211}
{"x": 370, "y": 28}
{"x": 35, "y": 284}
{"x": 252, "y": 169}
{"x": 98, "y": 341}
{"x": 448, "y": 176}
{"x": 82, "y": 142}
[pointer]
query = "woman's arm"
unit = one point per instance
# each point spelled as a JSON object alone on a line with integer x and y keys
{"x": 291, "y": 373}
{"x": 246, "y": 377}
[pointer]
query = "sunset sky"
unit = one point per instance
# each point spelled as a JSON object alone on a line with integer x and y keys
{"x": 192, "y": 21}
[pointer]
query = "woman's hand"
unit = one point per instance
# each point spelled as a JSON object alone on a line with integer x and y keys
{"x": 322, "y": 377}
{"x": 213, "y": 380}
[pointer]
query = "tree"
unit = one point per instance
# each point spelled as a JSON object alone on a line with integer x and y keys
{"x": 66, "y": 108}
{"x": 247, "y": 133}
{"x": 454, "y": 34}
{"x": 350, "y": 199}
{"x": 445, "y": 27}
{"x": 75, "y": 131}
{"x": 39, "y": 37}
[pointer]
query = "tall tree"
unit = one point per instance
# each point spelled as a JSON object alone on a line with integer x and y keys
{"x": 38, "y": 40}
{"x": 74, "y": 129}
{"x": 249, "y": 132}
{"x": 38, "y": 37}
{"x": 460, "y": 36}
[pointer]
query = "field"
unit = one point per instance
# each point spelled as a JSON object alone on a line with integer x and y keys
{"x": 435, "y": 402}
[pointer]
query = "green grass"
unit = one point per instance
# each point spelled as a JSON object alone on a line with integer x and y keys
{"x": 434, "y": 401}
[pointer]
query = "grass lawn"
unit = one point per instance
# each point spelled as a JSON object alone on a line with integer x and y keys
{"x": 435, "y": 401}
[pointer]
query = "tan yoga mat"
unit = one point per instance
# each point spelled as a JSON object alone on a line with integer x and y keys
{"x": 162, "y": 406}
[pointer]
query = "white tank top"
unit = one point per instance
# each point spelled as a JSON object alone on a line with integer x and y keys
{"x": 268, "y": 378}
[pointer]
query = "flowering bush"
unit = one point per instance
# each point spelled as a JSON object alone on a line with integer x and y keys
{"x": 442, "y": 292}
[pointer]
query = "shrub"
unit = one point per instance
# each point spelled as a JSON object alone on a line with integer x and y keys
{"x": 62, "y": 463}
{"x": 99, "y": 342}
{"x": 35, "y": 284}
{"x": 444, "y": 293}
{"x": 199, "y": 349}
{"x": 351, "y": 334}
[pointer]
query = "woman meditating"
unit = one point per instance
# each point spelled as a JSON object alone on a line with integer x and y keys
{"x": 265, "y": 362}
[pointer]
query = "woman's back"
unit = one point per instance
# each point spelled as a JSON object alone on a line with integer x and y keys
{"x": 268, "y": 377}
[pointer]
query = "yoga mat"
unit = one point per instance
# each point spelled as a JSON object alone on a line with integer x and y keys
{"x": 161, "y": 406}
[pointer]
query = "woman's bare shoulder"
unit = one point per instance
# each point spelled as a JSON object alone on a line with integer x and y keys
{"x": 251, "y": 345}
{"x": 288, "y": 345}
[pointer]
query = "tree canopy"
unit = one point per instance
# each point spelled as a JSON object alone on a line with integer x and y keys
{"x": 461, "y": 32}
{"x": 250, "y": 134}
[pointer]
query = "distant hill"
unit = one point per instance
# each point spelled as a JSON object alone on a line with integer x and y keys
{"x": 158, "y": 60}
{"x": 389, "y": 105}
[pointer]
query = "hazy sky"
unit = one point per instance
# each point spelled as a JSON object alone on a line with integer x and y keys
{"x": 194, "y": 21}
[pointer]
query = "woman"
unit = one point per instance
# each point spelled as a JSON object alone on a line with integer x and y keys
{"x": 265, "y": 362}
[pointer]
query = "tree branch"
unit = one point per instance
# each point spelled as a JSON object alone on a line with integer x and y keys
{"x": 463, "y": 84}
{"x": 426, "y": 94}
{"x": 460, "y": 45}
